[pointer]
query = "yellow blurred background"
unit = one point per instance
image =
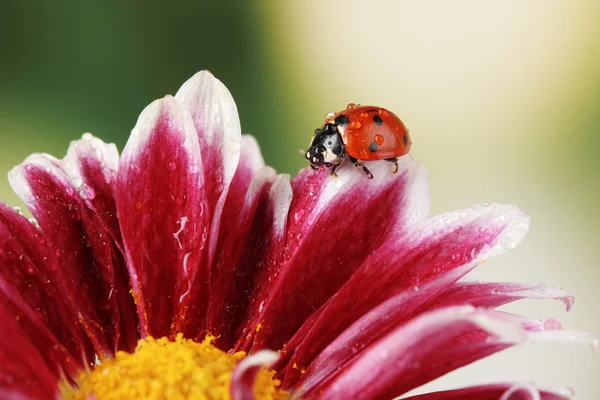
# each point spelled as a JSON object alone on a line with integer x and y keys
{"x": 502, "y": 100}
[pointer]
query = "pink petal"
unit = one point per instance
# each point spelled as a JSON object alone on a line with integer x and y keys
{"x": 162, "y": 210}
{"x": 415, "y": 353}
{"x": 24, "y": 373}
{"x": 492, "y": 295}
{"x": 251, "y": 162}
{"x": 215, "y": 117}
{"x": 428, "y": 347}
{"x": 28, "y": 294}
{"x": 450, "y": 243}
{"x": 351, "y": 209}
{"x": 91, "y": 166}
{"x": 242, "y": 379}
{"x": 249, "y": 254}
{"x": 497, "y": 391}
{"x": 82, "y": 253}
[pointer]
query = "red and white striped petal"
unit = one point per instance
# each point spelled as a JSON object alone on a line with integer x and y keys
{"x": 250, "y": 253}
{"x": 428, "y": 347}
{"x": 495, "y": 391}
{"x": 492, "y": 295}
{"x": 450, "y": 243}
{"x": 244, "y": 374}
{"x": 334, "y": 224}
{"x": 28, "y": 293}
{"x": 82, "y": 253}
{"x": 215, "y": 117}
{"x": 163, "y": 216}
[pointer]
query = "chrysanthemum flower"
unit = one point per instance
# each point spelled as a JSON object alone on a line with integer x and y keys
{"x": 186, "y": 268}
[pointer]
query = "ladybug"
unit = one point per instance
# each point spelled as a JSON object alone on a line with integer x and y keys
{"x": 361, "y": 133}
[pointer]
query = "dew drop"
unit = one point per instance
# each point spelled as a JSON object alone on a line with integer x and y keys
{"x": 58, "y": 253}
{"x": 382, "y": 111}
{"x": 77, "y": 182}
{"x": 89, "y": 193}
{"x": 351, "y": 106}
{"x": 28, "y": 167}
{"x": 355, "y": 125}
{"x": 172, "y": 166}
{"x": 329, "y": 115}
{"x": 70, "y": 191}
{"x": 552, "y": 324}
{"x": 30, "y": 269}
{"x": 378, "y": 140}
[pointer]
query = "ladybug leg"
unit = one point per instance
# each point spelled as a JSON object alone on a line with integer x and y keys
{"x": 335, "y": 165}
{"x": 358, "y": 164}
{"x": 395, "y": 161}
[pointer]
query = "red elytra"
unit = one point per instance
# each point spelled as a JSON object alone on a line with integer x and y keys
{"x": 372, "y": 133}
{"x": 361, "y": 133}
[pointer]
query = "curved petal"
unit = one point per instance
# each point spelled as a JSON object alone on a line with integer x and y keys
{"x": 244, "y": 257}
{"x": 492, "y": 295}
{"x": 79, "y": 249}
{"x": 251, "y": 162}
{"x": 451, "y": 243}
{"x": 215, "y": 117}
{"x": 495, "y": 391}
{"x": 91, "y": 167}
{"x": 244, "y": 374}
{"x": 162, "y": 210}
{"x": 23, "y": 371}
{"x": 428, "y": 347}
{"x": 29, "y": 295}
{"x": 358, "y": 212}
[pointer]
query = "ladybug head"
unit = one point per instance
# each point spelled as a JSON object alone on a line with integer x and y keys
{"x": 326, "y": 147}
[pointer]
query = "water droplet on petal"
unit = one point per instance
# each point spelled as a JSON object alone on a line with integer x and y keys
{"x": 58, "y": 253}
{"x": 77, "y": 182}
{"x": 28, "y": 167}
{"x": 70, "y": 191}
{"x": 30, "y": 269}
{"x": 172, "y": 166}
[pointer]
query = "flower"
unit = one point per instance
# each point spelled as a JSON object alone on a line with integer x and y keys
{"x": 144, "y": 266}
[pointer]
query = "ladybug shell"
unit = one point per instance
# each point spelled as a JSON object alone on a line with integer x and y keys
{"x": 371, "y": 133}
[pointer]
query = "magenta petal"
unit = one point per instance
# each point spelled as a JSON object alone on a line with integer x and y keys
{"x": 423, "y": 349}
{"x": 250, "y": 255}
{"x": 91, "y": 166}
{"x": 496, "y": 391}
{"x": 244, "y": 374}
{"x": 451, "y": 243}
{"x": 162, "y": 212}
{"x": 24, "y": 373}
{"x": 30, "y": 296}
{"x": 492, "y": 295}
{"x": 251, "y": 162}
{"x": 216, "y": 120}
{"x": 352, "y": 210}
{"x": 82, "y": 255}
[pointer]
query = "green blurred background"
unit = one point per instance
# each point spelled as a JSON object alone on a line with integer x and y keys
{"x": 502, "y": 100}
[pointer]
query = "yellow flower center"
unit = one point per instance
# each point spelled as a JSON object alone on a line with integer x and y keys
{"x": 161, "y": 369}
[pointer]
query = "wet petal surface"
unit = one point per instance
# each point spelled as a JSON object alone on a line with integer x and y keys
{"x": 163, "y": 216}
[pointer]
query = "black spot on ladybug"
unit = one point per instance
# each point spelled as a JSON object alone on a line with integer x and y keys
{"x": 373, "y": 147}
{"x": 342, "y": 120}
{"x": 405, "y": 140}
{"x": 377, "y": 119}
